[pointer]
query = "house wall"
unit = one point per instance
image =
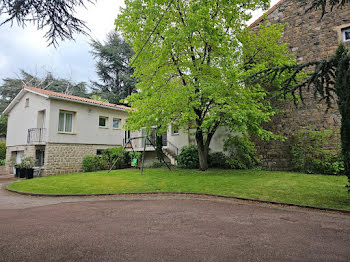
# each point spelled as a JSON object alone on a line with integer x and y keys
{"x": 86, "y": 128}
{"x": 67, "y": 158}
{"x": 22, "y": 118}
{"x": 310, "y": 39}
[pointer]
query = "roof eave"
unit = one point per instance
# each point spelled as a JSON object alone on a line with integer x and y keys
{"x": 88, "y": 103}
{"x": 18, "y": 97}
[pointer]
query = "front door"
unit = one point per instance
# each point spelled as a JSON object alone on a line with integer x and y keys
{"x": 19, "y": 156}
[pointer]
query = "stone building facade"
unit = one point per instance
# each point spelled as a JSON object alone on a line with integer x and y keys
{"x": 311, "y": 38}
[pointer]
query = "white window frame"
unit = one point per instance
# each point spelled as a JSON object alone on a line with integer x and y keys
{"x": 119, "y": 123}
{"x": 65, "y": 113}
{"x": 106, "y": 121}
{"x": 343, "y": 30}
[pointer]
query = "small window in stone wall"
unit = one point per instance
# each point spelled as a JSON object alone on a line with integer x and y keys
{"x": 345, "y": 32}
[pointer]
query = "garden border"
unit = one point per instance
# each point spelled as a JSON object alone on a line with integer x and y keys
{"x": 183, "y": 194}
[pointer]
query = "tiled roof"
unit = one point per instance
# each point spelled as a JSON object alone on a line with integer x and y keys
{"x": 74, "y": 98}
{"x": 273, "y": 8}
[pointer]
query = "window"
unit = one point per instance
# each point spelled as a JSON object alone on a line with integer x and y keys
{"x": 99, "y": 152}
{"x": 345, "y": 32}
{"x": 40, "y": 156}
{"x": 27, "y": 102}
{"x": 174, "y": 129}
{"x": 102, "y": 121}
{"x": 116, "y": 122}
{"x": 65, "y": 122}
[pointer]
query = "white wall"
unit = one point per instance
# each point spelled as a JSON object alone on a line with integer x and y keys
{"x": 86, "y": 128}
{"x": 179, "y": 140}
{"x": 21, "y": 118}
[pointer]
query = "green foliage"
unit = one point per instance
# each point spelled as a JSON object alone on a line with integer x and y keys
{"x": 217, "y": 160}
{"x": 94, "y": 163}
{"x": 3, "y": 126}
{"x": 113, "y": 58}
{"x": 98, "y": 98}
{"x": 27, "y": 163}
{"x": 329, "y": 79}
{"x": 242, "y": 152}
{"x": 310, "y": 153}
{"x": 157, "y": 164}
{"x": 197, "y": 65}
{"x": 117, "y": 156}
{"x": 2, "y": 150}
{"x": 2, "y": 162}
{"x": 188, "y": 157}
{"x": 12, "y": 86}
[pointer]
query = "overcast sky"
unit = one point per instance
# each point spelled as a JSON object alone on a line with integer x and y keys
{"x": 25, "y": 48}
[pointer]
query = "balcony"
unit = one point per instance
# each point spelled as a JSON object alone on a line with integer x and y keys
{"x": 36, "y": 136}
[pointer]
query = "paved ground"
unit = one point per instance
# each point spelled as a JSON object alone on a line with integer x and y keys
{"x": 166, "y": 229}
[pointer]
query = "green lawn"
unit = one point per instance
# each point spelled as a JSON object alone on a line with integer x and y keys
{"x": 289, "y": 187}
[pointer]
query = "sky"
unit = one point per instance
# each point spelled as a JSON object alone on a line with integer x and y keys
{"x": 26, "y": 48}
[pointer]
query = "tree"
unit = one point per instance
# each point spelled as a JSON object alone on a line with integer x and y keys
{"x": 323, "y": 4}
{"x": 113, "y": 69}
{"x": 330, "y": 80}
{"x": 12, "y": 86}
{"x": 58, "y": 16}
{"x": 192, "y": 72}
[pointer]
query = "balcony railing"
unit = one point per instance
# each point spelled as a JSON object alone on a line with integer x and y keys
{"x": 36, "y": 136}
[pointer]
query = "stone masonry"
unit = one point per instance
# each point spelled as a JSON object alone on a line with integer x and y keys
{"x": 67, "y": 158}
{"x": 310, "y": 39}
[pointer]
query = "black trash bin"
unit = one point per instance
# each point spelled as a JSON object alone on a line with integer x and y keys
{"x": 20, "y": 172}
{"x": 29, "y": 173}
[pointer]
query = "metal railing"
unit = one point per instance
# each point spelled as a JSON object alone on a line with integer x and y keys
{"x": 172, "y": 148}
{"x": 138, "y": 142}
{"x": 36, "y": 135}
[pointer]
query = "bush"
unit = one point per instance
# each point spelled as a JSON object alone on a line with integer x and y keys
{"x": 2, "y": 150}
{"x": 217, "y": 160}
{"x": 117, "y": 156}
{"x": 94, "y": 163}
{"x": 188, "y": 157}
{"x": 2, "y": 162}
{"x": 242, "y": 152}
{"x": 310, "y": 153}
{"x": 157, "y": 164}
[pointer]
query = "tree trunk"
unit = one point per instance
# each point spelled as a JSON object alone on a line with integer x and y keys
{"x": 203, "y": 150}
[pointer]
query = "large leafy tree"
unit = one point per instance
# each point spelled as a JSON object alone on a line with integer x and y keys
{"x": 113, "y": 68}
{"x": 58, "y": 17}
{"x": 191, "y": 73}
{"x": 11, "y": 86}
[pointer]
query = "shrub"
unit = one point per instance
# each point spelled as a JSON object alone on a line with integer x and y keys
{"x": 188, "y": 157}
{"x": 2, "y": 162}
{"x": 242, "y": 152}
{"x": 310, "y": 153}
{"x": 217, "y": 160}
{"x": 117, "y": 156}
{"x": 27, "y": 163}
{"x": 2, "y": 150}
{"x": 157, "y": 164}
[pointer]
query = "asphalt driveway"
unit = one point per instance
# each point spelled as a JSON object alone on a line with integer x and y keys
{"x": 167, "y": 229}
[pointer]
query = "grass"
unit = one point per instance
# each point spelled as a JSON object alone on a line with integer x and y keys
{"x": 288, "y": 187}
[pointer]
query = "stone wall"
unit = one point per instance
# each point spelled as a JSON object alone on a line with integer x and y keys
{"x": 310, "y": 39}
{"x": 67, "y": 158}
{"x": 28, "y": 151}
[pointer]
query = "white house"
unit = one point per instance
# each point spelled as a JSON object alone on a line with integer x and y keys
{"x": 59, "y": 130}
